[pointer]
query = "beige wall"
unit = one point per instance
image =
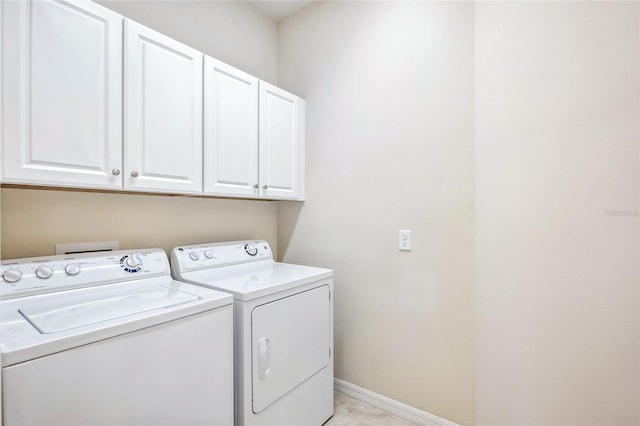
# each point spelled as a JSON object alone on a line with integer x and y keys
{"x": 32, "y": 221}
{"x": 557, "y": 269}
{"x": 389, "y": 89}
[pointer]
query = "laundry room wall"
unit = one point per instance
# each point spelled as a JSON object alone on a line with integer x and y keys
{"x": 33, "y": 221}
{"x": 557, "y": 225}
{"x": 389, "y": 89}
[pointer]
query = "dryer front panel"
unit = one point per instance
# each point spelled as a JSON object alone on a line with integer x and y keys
{"x": 290, "y": 342}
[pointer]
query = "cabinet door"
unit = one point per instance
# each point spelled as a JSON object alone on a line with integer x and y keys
{"x": 281, "y": 144}
{"x": 163, "y": 113}
{"x": 230, "y": 131}
{"x": 61, "y": 94}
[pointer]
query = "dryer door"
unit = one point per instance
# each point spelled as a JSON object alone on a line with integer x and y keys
{"x": 290, "y": 342}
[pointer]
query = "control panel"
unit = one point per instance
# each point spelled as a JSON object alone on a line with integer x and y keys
{"x": 35, "y": 275}
{"x": 213, "y": 255}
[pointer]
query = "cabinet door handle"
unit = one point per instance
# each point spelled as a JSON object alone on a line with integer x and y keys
{"x": 115, "y": 172}
{"x": 134, "y": 174}
{"x": 265, "y": 186}
{"x": 256, "y": 186}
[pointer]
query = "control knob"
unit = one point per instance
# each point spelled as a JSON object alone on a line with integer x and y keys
{"x": 44, "y": 271}
{"x": 194, "y": 255}
{"x": 72, "y": 269}
{"x": 251, "y": 249}
{"x": 11, "y": 276}
{"x": 208, "y": 254}
{"x": 132, "y": 261}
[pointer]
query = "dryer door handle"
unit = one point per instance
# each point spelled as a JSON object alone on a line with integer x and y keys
{"x": 264, "y": 357}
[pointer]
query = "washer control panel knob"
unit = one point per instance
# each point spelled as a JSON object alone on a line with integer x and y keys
{"x": 44, "y": 271}
{"x": 131, "y": 263}
{"x": 251, "y": 249}
{"x": 11, "y": 276}
{"x": 208, "y": 254}
{"x": 194, "y": 255}
{"x": 72, "y": 269}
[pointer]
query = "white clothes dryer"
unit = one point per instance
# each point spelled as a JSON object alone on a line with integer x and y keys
{"x": 112, "y": 339}
{"x": 283, "y": 329}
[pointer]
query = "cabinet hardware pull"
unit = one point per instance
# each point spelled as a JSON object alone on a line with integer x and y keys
{"x": 115, "y": 172}
{"x": 134, "y": 174}
{"x": 265, "y": 187}
{"x": 256, "y": 186}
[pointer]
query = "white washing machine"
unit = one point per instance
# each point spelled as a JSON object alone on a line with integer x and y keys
{"x": 283, "y": 329}
{"x": 112, "y": 339}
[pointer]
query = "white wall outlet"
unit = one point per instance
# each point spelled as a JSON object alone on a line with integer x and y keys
{"x": 404, "y": 240}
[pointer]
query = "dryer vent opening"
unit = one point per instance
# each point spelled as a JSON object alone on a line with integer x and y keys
{"x": 91, "y": 247}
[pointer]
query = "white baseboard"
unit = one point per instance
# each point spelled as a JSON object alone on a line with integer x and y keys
{"x": 389, "y": 405}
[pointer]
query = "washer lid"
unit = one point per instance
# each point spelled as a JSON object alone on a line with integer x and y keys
{"x": 81, "y": 310}
{"x": 43, "y": 324}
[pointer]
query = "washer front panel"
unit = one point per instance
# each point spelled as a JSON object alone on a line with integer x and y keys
{"x": 175, "y": 373}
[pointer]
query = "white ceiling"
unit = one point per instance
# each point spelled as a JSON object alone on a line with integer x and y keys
{"x": 278, "y": 9}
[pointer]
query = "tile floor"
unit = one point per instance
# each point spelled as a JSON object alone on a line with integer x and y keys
{"x": 351, "y": 412}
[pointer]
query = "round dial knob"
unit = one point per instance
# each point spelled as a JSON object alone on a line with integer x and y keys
{"x": 72, "y": 269}
{"x": 44, "y": 271}
{"x": 132, "y": 261}
{"x": 251, "y": 249}
{"x": 194, "y": 255}
{"x": 12, "y": 275}
{"x": 208, "y": 254}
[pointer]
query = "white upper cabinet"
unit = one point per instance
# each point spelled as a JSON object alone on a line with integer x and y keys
{"x": 61, "y": 94}
{"x": 230, "y": 131}
{"x": 253, "y": 136}
{"x": 73, "y": 70}
{"x": 163, "y": 113}
{"x": 281, "y": 144}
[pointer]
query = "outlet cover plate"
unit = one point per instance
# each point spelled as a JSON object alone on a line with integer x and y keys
{"x": 404, "y": 240}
